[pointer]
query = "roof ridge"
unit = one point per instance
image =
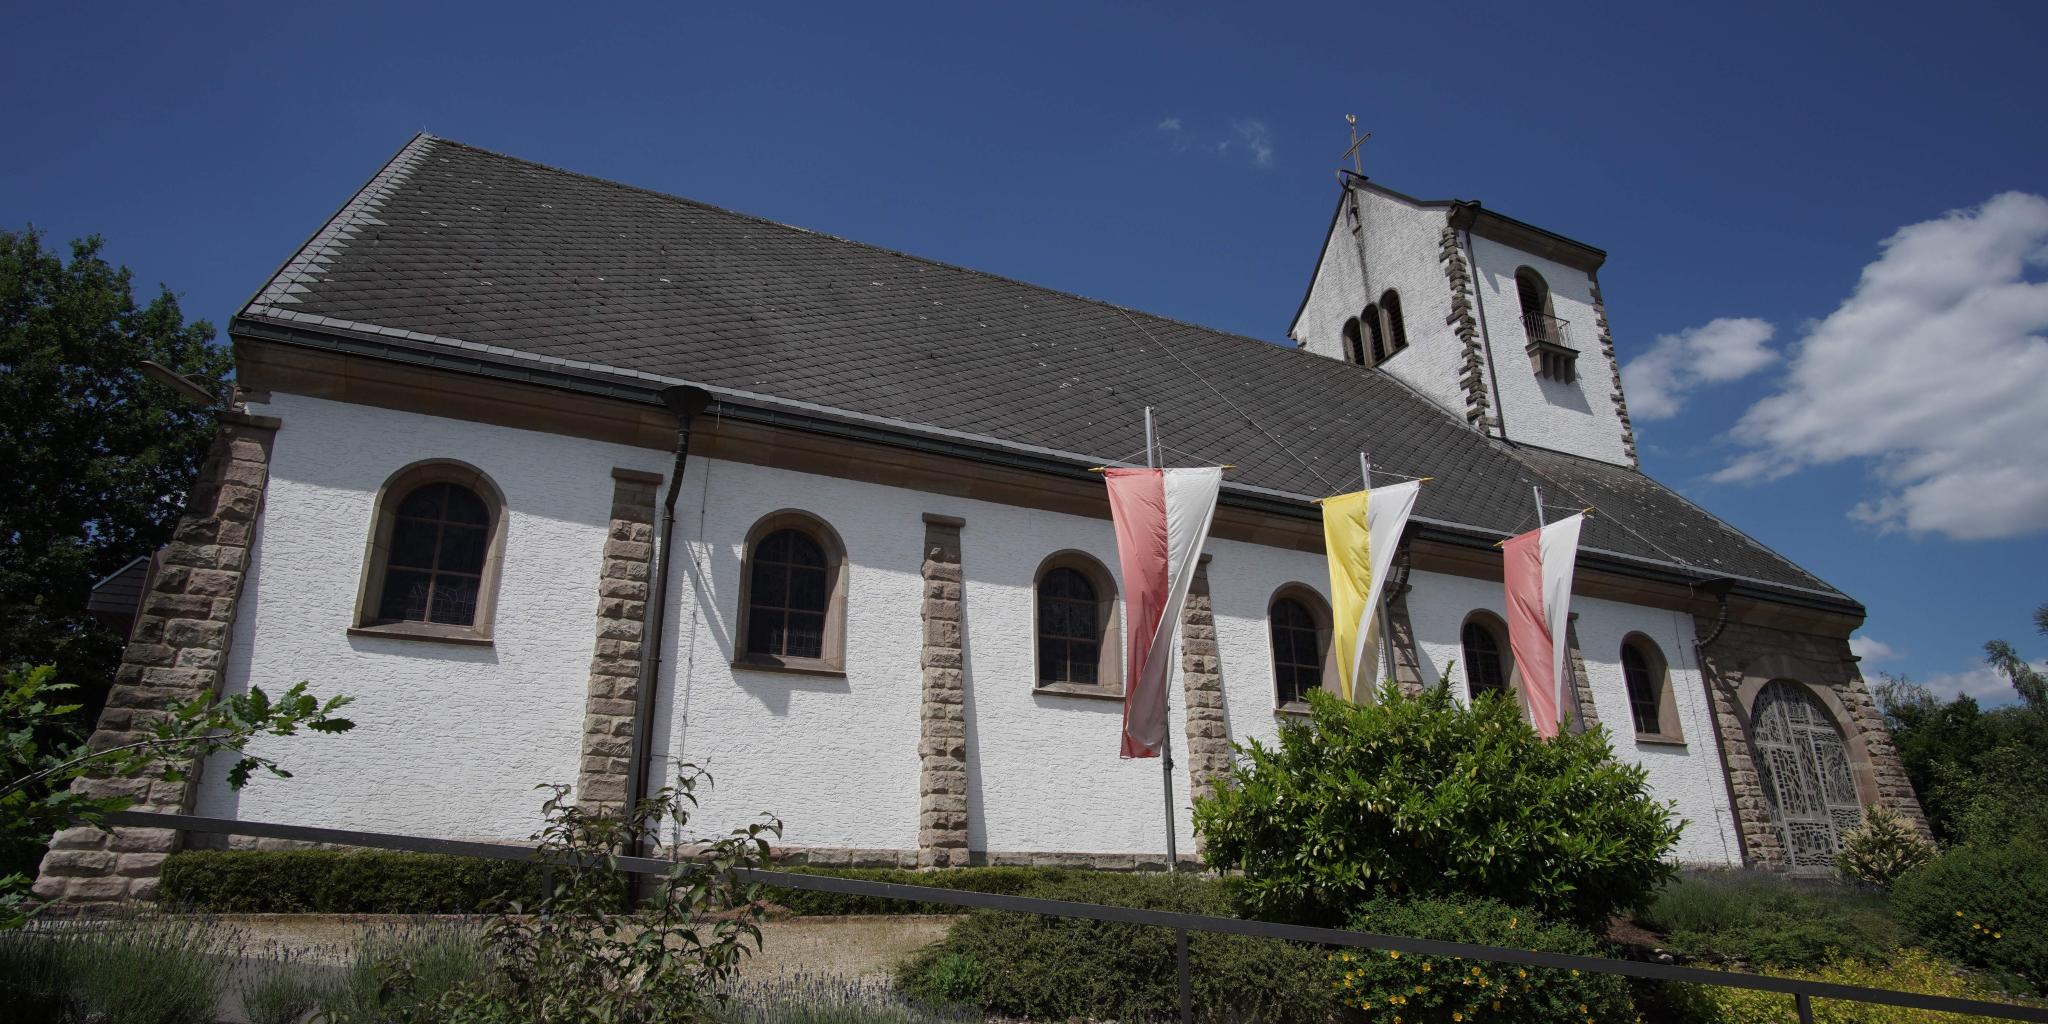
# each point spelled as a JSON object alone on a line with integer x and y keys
{"x": 942, "y": 264}
{"x": 313, "y": 255}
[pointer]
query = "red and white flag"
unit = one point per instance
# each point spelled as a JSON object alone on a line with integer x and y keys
{"x": 1162, "y": 518}
{"x": 1539, "y": 578}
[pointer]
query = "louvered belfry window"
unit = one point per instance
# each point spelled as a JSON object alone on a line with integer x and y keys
{"x": 1069, "y": 629}
{"x": 1803, "y": 762}
{"x": 787, "y": 597}
{"x": 440, "y": 538}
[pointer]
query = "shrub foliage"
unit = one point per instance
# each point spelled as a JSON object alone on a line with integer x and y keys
{"x": 1907, "y": 971}
{"x": 1420, "y": 796}
{"x": 337, "y": 882}
{"x": 1770, "y": 920}
{"x": 1390, "y": 985}
{"x": 1882, "y": 848}
{"x": 1007, "y": 881}
{"x": 1986, "y": 906}
{"x": 1051, "y": 968}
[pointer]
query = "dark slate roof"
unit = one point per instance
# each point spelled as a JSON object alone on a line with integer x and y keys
{"x": 455, "y": 246}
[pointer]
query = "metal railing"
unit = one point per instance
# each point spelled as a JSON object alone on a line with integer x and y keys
{"x": 1801, "y": 990}
{"x": 1544, "y": 329}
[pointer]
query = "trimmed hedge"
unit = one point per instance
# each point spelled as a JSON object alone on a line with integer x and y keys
{"x": 1058, "y": 968}
{"x": 343, "y": 882}
{"x": 1007, "y": 881}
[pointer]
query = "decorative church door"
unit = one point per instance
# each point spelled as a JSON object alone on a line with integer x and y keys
{"x": 1804, "y": 766}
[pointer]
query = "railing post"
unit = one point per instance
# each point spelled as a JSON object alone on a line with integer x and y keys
{"x": 1804, "y": 1003}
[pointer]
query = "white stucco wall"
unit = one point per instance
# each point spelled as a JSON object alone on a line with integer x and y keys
{"x": 452, "y": 739}
{"x": 1690, "y": 775}
{"x": 1576, "y": 417}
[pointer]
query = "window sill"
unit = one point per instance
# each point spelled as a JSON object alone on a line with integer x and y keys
{"x": 1078, "y": 690}
{"x": 428, "y": 632}
{"x": 1660, "y": 740}
{"x": 1298, "y": 709}
{"x": 790, "y": 666}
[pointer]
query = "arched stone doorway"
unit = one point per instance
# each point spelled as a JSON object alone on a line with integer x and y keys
{"x": 1802, "y": 761}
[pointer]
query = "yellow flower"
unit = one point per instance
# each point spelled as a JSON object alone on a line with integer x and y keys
{"x": 1575, "y": 972}
{"x": 1425, "y": 968}
{"x": 1521, "y": 974}
{"x": 1418, "y": 990}
{"x": 1512, "y": 921}
{"x": 1475, "y": 972}
{"x": 1959, "y": 913}
{"x": 1393, "y": 954}
{"x": 1582, "y": 1008}
{"x": 1496, "y": 1004}
{"x": 1998, "y": 935}
{"x": 1347, "y": 958}
{"x": 1457, "y": 1016}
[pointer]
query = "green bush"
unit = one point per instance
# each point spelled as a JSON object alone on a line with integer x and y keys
{"x": 1048, "y": 968}
{"x": 1907, "y": 971}
{"x": 1882, "y": 848}
{"x": 1421, "y": 796}
{"x": 403, "y": 972}
{"x": 1416, "y": 989}
{"x": 1986, "y": 906}
{"x": 279, "y": 988}
{"x": 1770, "y": 920}
{"x": 343, "y": 882}
{"x": 831, "y": 999}
{"x": 140, "y": 970}
{"x": 1007, "y": 881}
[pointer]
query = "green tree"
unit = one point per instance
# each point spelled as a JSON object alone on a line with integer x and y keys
{"x": 36, "y": 797}
{"x": 1420, "y": 796}
{"x": 95, "y": 456}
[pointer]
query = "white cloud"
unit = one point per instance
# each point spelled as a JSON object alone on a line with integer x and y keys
{"x": 1871, "y": 649}
{"x": 1936, "y": 371}
{"x": 1256, "y": 138}
{"x": 1723, "y": 349}
{"x": 1169, "y": 125}
{"x": 1982, "y": 682}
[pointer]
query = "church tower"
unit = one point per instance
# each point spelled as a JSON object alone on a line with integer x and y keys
{"x": 1498, "y": 321}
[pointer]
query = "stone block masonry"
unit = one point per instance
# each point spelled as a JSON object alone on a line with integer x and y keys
{"x": 1201, "y": 673}
{"x": 1472, "y": 361}
{"x": 615, "y": 666}
{"x": 942, "y": 728}
{"x": 176, "y": 653}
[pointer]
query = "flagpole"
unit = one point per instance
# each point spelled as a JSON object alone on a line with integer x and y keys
{"x": 1166, "y": 745}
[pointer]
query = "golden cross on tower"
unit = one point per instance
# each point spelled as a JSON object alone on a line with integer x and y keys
{"x": 1357, "y": 140}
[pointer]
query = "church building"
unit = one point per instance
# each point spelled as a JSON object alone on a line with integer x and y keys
{"x": 567, "y": 481}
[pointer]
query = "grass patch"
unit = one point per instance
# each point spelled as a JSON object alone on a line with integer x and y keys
{"x": 1771, "y": 920}
{"x": 145, "y": 969}
{"x": 825, "y": 999}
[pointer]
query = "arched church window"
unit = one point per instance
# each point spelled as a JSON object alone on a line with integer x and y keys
{"x": 1549, "y": 341}
{"x": 1376, "y": 334}
{"x": 793, "y": 596}
{"x": 1354, "y": 348}
{"x": 1802, "y": 761}
{"x": 436, "y": 543}
{"x": 1650, "y": 702}
{"x": 1396, "y": 331}
{"x": 1299, "y": 625}
{"x": 1075, "y": 626}
{"x": 1488, "y": 663}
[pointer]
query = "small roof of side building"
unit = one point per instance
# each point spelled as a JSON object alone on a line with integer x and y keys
{"x": 459, "y": 257}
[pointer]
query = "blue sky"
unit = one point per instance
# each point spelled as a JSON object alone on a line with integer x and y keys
{"x": 1739, "y": 164}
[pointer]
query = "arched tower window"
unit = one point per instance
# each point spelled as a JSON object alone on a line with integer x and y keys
{"x": 1299, "y": 625}
{"x": 1075, "y": 628}
{"x": 1354, "y": 348}
{"x": 1650, "y": 701}
{"x": 1802, "y": 761}
{"x": 1489, "y": 665}
{"x": 793, "y": 596}
{"x": 1549, "y": 339}
{"x": 437, "y": 542}
{"x": 1376, "y": 335}
{"x": 1396, "y": 331}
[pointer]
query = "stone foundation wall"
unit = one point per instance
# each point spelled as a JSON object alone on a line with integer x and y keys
{"x": 942, "y": 728}
{"x": 1743, "y": 657}
{"x": 621, "y": 616}
{"x": 176, "y": 653}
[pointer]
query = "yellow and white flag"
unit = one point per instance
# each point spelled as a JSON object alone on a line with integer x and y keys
{"x": 1361, "y": 531}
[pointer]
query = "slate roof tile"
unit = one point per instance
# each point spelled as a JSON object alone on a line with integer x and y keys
{"x": 458, "y": 243}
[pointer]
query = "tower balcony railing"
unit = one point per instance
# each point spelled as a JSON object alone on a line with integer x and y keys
{"x": 1544, "y": 329}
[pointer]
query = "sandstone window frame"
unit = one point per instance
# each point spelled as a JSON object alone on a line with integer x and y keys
{"x": 831, "y": 659}
{"x": 1662, "y": 703}
{"x": 1318, "y": 611}
{"x": 367, "y": 619}
{"x": 1109, "y": 666}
